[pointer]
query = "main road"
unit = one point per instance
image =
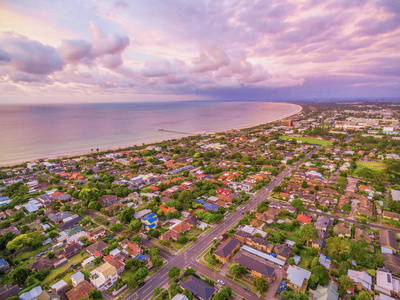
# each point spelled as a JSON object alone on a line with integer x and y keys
{"x": 188, "y": 257}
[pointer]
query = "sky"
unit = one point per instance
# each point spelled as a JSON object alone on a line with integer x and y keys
{"x": 146, "y": 50}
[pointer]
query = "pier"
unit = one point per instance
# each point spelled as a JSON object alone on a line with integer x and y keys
{"x": 180, "y": 132}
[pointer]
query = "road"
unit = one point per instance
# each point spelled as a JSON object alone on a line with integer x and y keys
{"x": 188, "y": 257}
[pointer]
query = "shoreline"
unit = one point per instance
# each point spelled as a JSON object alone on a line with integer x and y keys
{"x": 112, "y": 148}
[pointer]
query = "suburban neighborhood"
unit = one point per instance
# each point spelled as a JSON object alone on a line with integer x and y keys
{"x": 307, "y": 207}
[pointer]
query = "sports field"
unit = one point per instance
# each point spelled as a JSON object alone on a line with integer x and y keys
{"x": 308, "y": 140}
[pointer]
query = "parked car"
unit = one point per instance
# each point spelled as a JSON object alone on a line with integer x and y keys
{"x": 246, "y": 288}
{"x": 142, "y": 284}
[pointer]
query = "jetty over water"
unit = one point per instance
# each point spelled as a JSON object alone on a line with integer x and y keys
{"x": 173, "y": 131}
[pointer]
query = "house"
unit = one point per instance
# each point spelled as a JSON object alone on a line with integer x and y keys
{"x": 60, "y": 286}
{"x": 256, "y": 267}
{"x": 4, "y": 265}
{"x": 342, "y": 230}
{"x": 133, "y": 249}
{"x": 328, "y": 292}
{"x": 317, "y": 243}
{"x": 361, "y": 279}
{"x": 282, "y": 251}
{"x": 303, "y": 219}
{"x": 170, "y": 235}
{"x": 60, "y": 216}
{"x": 390, "y": 215}
{"x": 361, "y": 235}
{"x": 104, "y": 276}
{"x": 191, "y": 220}
{"x": 388, "y": 239}
{"x": 297, "y": 278}
{"x": 108, "y": 200}
{"x": 77, "y": 278}
{"x": 257, "y": 223}
{"x": 69, "y": 251}
{"x": 9, "y": 291}
{"x": 181, "y": 227}
{"x": 33, "y": 294}
{"x": 180, "y": 297}
{"x": 95, "y": 235}
{"x": 322, "y": 223}
{"x": 40, "y": 264}
{"x": 225, "y": 250}
{"x": 150, "y": 221}
{"x": 97, "y": 247}
{"x": 118, "y": 265}
{"x": 48, "y": 295}
{"x": 386, "y": 283}
{"x": 82, "y": 290}
{"x": 166, "y": 210}
{"x": 198, "y": 288}
{"x": 366, "y": 208}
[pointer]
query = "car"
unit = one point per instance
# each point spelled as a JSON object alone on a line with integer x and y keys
{"x": 71, "y": 266}
{"x": 110, "y": 238}
{"x": 242, "y": 213}
{"x": 246, "y": 288}
{"x": 336, "y": 216}
{"x": 141, "y": 284}
{"x": 221, "y": 282}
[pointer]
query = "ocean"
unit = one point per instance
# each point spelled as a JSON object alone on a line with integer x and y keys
{"x": 30, "y": 132}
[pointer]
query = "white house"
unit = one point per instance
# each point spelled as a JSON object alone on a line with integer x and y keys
{"x": 103, "y": 277}
{"x": 77, "y": 278}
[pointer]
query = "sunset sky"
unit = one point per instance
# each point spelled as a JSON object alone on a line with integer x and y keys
{"x": 85, "y": 51}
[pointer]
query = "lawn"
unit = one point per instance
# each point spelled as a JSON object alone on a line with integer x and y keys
{"x": 308, "y": 140}
{"x": 74, "y": 260}
{"x": 376, "y": 166}
{"x": 27, "y": 254}
{"x": 306, "y": 257}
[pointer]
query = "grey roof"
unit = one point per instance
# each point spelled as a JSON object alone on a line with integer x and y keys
{"x": 198, "y": 287}
{"x": 396, "y": 195}
{"x": 296, "y": 275}
{"x": 328, "y": 292}
{"x": 77, "y": 276}
{"x": 226, "y": 248}
{"x": 32, "y": 294}
{"x": 255, "y": 265}
{"x": 263, "y": 255}
{"x": 59, "y": 285}
{"x": 57, "y": 217}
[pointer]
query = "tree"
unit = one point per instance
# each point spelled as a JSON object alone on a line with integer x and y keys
{"x": 182, "y": 240}
{"x": 337, "y": 244}
{"x": 174, "y": 272}
{"x": 225, "y": 293}
{"x": 126, "y": 215}
{"x": 97, "y": 261}
{"x": 345, "y": 282}
{"x": 234, "y": 269}
{"x": 115, "y": 227}
{"x": 19, "y": 275}
{"x": 304, "y": 184}
{"x": 291, "y": 261}
{"x": 260, "y": 284}
{"x": 135, "y": 225}
{"x": 364, "y": 295}
{"x": 308, "y": 232}
{"x": 96, "y": 294}
{"x": 297, "y": 203}
{"x": 319, "y": 274}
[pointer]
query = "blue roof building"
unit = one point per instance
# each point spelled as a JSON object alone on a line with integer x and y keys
{"x": 150, "y": 221}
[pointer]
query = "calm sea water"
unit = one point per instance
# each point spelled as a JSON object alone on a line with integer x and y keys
{"x": 49, "y": 131}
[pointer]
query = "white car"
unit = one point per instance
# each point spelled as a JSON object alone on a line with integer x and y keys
{"x": 221, "y": 282}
